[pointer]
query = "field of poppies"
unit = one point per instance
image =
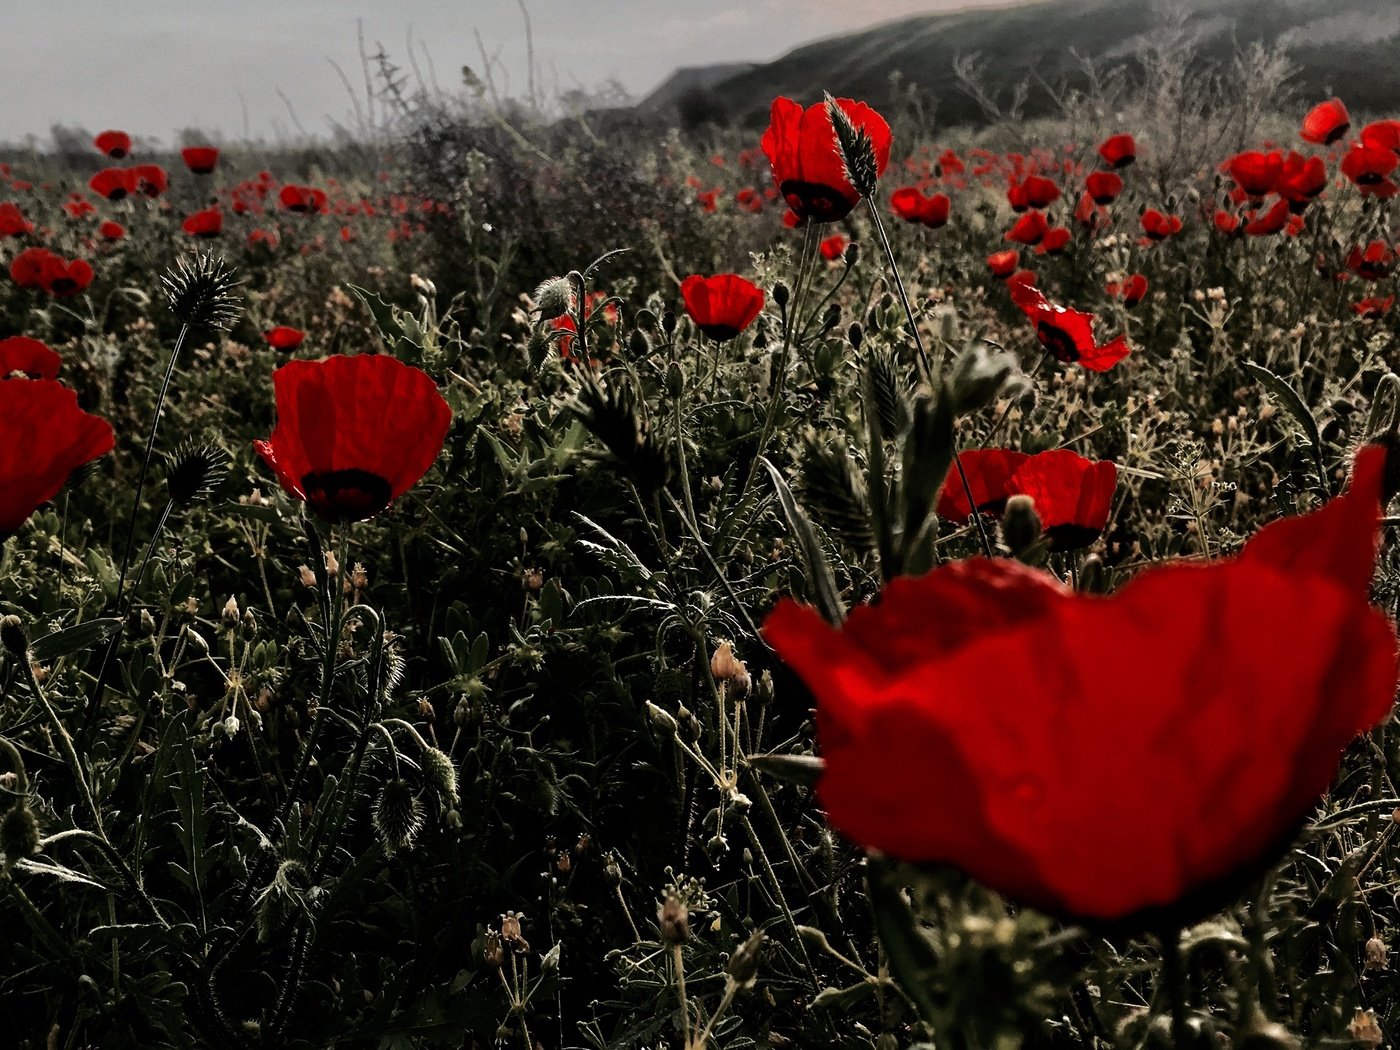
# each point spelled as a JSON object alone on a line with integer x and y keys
{"x": 842, "y": 583}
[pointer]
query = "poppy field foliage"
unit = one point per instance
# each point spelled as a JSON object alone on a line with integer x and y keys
{"x": 836, "y": 582}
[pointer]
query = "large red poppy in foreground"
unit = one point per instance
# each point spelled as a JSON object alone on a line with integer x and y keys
{"x": 802, "y": 149}
{"x": 354, "y": 433}
{"x": 1105, "y": 758}
{"x": 44, "y": 435}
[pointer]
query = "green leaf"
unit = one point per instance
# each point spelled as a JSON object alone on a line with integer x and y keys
{"x": 819, "y": 575}
{"x": 795, "y": 769}
{"x": 911, "y": 958}
{"x": 1299, "y": 410}
{"x": 928, "y": 453}
{"x": 73, "y": 639}
{"x": 843, "y": 998}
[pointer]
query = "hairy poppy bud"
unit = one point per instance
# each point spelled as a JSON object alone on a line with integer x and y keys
{"x": 675, "y": 379}
{"x": 397, "y": 815}
{"x": 553, "y": 298}
{"x": 743, "y": 964}
{"x": 660, "y": 717}
{"x": 440, "y": 773}
{"x": 855, "y": 334}
{"x": 14, "y": 637}
{"x": 674, "y": 919}
{"x": 780, "y": 294}
{"x": 668, "y": 322}
{"x": 852, "y": 253}
{"x": 19, "y": 833}
{"x": 1020, "y": 525}
{"x": 231, "y": 614}
{"x": 637, "y": 343}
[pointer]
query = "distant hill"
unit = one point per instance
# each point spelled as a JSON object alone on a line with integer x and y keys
{"x": 1349, "y": 47}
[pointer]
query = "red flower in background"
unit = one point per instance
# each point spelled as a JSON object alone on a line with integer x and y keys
{"x": 353, "y": 433}
{"x": 1047, "y": 786}
{"x": 1226, "y": 222}
{"x": 1301, "y": 181}
{"x": 116, "y": 144}
{"x": 1118, "y": 151}
{"x": 1103, "y": 186}
{"x": 1068, "y": 334}
{"x": 1373, "y": 262}
{"x": 206, "y": 223}
{"x": 12, "y": 221}
{"x": 112, "y": 231}
{"x": 1272, "y": 221}
{"x": 1040, "y": 192}
{"x": 801, "y": 148}
{"x": 284, "y": 337}
{"x": 1003, "y": 264}
{"x": 1159, "y": 226}
{"x": 1382, "y": 134}
{"x": 721, "y": 306}
{"x": 1368, "y": 165}
{"x": 113, "y": 183}
{"x": 201, "y": 160}
{"x": 44, "y": 435}
{"x": 28, "y": 267}
{"x": 1373, "y": 307}
{"x": 78, "y": 208}
{"x": 1254, "y": 172}
{"x": 912, "y": 206}
{"x": 1130, "y": 291}
{"x": 151, "y": 179}
{"x": 1029, "y": 229}
{"x": 41, "y": 268}
{"x": 988, "y": 473}
{"x": 1326, "y": 123}
{"x": 1072, "y": 495}
{"x": 833, "y": 247}
{"x": 29, "y": 357}
{"x": 1054, "y": 242}
{"x": 302, "y": 198}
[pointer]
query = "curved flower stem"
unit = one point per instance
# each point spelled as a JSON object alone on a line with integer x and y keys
{"x": 334, "y": 620}
{"x": 923, "y": 359}
{"x": 65, "y": 746}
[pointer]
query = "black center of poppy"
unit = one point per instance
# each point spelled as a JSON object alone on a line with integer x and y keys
{"x": 346, "y": 495}
{"x": 720, "y": 333}
{"x": 63, "y": 285}
{"x": 1069, "y": 537}
{"x": 1369, "y": 178}
{"x": 117, "y": 194}
{"x": 816, "y": 201}
{"x": 1057, "y": 341}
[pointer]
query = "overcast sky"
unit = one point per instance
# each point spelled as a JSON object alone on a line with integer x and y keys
{"x": 155, "y": 66}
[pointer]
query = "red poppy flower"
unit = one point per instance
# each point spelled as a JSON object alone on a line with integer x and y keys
{"x": 112, "y": 231}
{"x": 1118, "y": 151}
{"x": 1040, "y": 191}
{"x": 833, "y": 247}
{"x": 1054, "y": 242}
{"x": 1272, "y": 221}
{"x": 27, "y": 269}
{"x": 1226, "y": 222}
{"x": 1382, "y": 134}
{"x": 66, "y": 277}
{"x": 801, "y": 148}
{"x": 1017, "y": 197}
{"x": 1131, "y": 291}
{"x": 1072, "y": 495}
{"x": 912, "y": 206}
{"x": 1068, "y": 334}
{"x": 116, "y": 144}
{"x": 1326, "y": 123}
{"x": 113, "y": 183}
{"x": 1373, "y": 306}
{"x": 1104, "y": 186}
{"x": 353, "y": 433}
{"x": 151, "y": 179}
{"x": 302, "y": 198}
{"x": 1373, "y": 262}
{"x": 1255, "y": 173}
{"x": 1030, "y": 228}
{"x": 79, "y": 208}
{"x": 791, "y": 219}
{"x": 29, "y": 357}
{"x": 988, "y": 473}
{"x": 1003, "y": 264}
{"x": 1158, "y": 226}
{"x": 12, "y": 221}
{"x": 1382, "y": 188}
{"x": 975, "y": 716}
{"x": 1301, "y": 181}
{"x": 200, "y": 159}
{"x": 284, "y": 337}
{"x": 721, "y": 306}
{"x": 44, "y": 435}
{"x": 1367, "y": 165}
{"x": 206, "y": 223}
{"x": 1089, "y": 214}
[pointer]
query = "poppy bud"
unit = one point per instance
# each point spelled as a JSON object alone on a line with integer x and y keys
{"x": 856, "y": 335}
{"x": 780, "y": 293}
{"x": 13, "y": 636}
{"x": 674, "y": 919}
{"x": 397, "y": 815}
{"x": 440, "y": 773}
{"x": 852, "y": 255}
{"x": 661, "y": 718}
{"x": 1020, "y": 525}
{"x": 1377, "y": 955}
{"x": 978, "y": 377}
{"x": 148, "y": 623}
{"x": 19, "y": 833}
{"x": 675, "y": 379}
{"x": 668, "y": 322}
{"x": 231, "y": 614}
{"x": 743, "y": 964}
{"x": 612, "y": 870}
{"x": 553, "y": 298}
{"x": 637, "y": 343}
